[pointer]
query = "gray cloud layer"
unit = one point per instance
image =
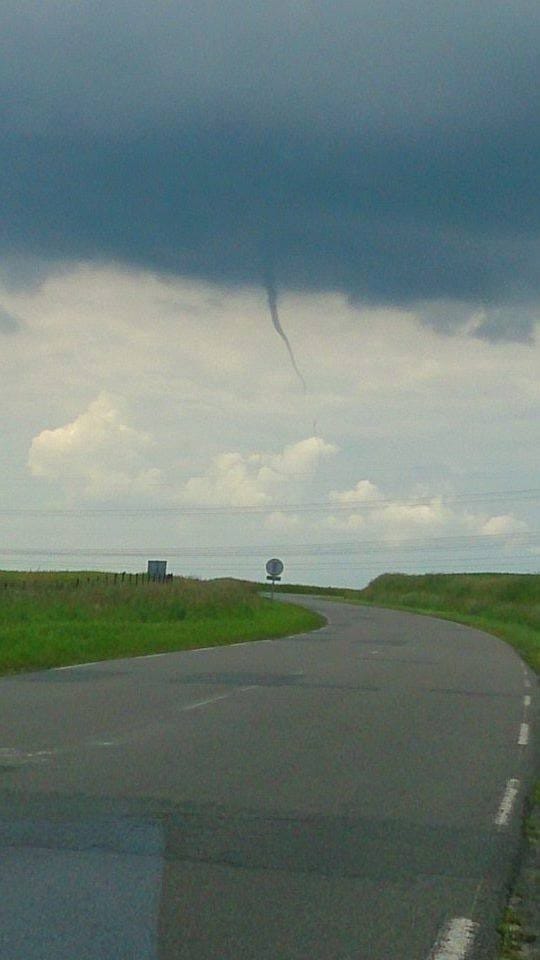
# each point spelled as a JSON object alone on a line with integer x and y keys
{"x": 386, "y": 149}
{"x": 8, "y": 323}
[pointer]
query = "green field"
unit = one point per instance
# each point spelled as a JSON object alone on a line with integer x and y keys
{"x": 505, "y": 604}
{"x": 54, "y": 619}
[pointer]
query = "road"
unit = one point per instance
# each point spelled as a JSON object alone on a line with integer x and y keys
{"x": 349, "y": 794}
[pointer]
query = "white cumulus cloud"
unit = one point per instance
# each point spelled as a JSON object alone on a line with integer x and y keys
{"x": 504, "y": 525}
{"x": 282, "y": 522}
{"x": 96, "y": 454}
{"x": 244, "y": 480}
{"x": 367, "y": 509}
{"x": 361, "y": 493}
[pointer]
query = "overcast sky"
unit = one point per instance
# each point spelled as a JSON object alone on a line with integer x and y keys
{"x": 167, "y": 168}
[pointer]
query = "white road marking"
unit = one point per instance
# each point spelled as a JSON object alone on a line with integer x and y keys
{"x": 151, "y": 656}
{"x": 455, "y": 940}
{"x": 222, "y": 696}
{"x": 14, "y": 755}
{"x": 505, "y": 807}
{"x": 523, "y": 735}
{"x": 79, "y": 666}
{"x": 203, "y": 703}
{"x": 526, "y": 701}
{"x": 528, "y": 684}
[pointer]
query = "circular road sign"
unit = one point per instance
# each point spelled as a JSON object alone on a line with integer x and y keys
{"x": 274, "y": 567}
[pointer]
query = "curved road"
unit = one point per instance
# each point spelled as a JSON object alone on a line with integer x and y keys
{"x": 348, "y": 794}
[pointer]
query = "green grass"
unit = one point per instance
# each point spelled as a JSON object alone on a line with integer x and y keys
{"x": 50, "y": 620}
{"x": 512, "y": 935}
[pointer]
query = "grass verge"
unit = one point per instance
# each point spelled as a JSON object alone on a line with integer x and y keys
{"x": 51, "y": 620}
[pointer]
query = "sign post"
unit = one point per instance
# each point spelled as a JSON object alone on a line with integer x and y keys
{"x": 274, "y": 569}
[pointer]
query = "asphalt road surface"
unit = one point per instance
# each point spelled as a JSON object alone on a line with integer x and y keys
{"x": 349, "y": 794}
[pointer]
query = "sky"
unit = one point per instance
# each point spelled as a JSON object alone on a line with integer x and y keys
{"x": 270, "y": 286}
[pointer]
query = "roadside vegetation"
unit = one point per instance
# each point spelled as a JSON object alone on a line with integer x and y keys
{"x": 55, "y": 619}
{"x": 505, "y": 604}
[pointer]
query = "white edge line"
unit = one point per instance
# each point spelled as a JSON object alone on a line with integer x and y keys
{"x": 77, "y": 666}
{"x": 455, "y": 940}
{"x": 505, "y": 807}
{"x": 96, "y": 663}
{"x": 526, "y": 701}
{"x": 523, "y": 735}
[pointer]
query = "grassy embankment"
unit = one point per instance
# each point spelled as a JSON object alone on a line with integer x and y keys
{"x": 54, "y": 619}
{"x": 505, "y": 604}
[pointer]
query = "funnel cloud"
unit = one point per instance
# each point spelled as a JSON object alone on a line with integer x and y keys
{"x": 271, "y": 293}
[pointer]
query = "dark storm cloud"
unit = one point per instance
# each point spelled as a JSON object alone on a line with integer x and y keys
{"x": 385, "y": 149}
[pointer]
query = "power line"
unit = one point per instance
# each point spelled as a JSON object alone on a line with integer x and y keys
{"x": 320, "y": 552}
{"x": 352, "y": 506}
